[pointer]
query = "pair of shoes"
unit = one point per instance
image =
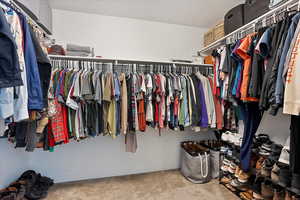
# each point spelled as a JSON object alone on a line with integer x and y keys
{"x": 243, "y": 177}
{"x": 236, "y": 183}
{"x": 231, "y": 137}
{"x": 263, "y": 152}
{"x": 238, "y": 171}
{"x": 226, "y": 165}
{"x": 224, "y": 149}
{"x": 225, "y": 180}
{"x": 248, "y": 195}
{"x": 232, "y": 168}
{"x": 9, "y": 193}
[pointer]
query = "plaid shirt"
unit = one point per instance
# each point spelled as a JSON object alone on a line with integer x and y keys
{"x": 58, "y": 125}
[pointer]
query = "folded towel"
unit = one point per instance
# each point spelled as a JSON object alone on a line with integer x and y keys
{"x": 79, "y": 53}
{"x": 74, "y": 47}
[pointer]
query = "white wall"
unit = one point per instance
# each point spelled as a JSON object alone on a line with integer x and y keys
{"x": 13, "y": 162}
{"x": 127, "y": 38}
{"x": 103, "y": 157}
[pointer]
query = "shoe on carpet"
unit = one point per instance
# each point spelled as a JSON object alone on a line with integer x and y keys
{"x": 248, "y": 195}
{"x": 225, "y": 180}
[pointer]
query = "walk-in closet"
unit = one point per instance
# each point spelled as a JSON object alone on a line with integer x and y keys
{"x": 149, "y": 100}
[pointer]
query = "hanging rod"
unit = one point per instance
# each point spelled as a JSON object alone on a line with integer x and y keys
{"x": 121, "y": 61}
{"x": 28, "y": 14}
{"x": 208, "y": 49}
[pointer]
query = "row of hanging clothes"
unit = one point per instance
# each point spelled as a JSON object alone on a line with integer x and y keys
{"x": 87, "y": 99}
{"x": 257, "y": 72}
{"x": 25, "y": 76}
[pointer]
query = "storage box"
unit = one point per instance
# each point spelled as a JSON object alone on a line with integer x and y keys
{"x": 255, "y": 8}
{"x": 209, "y": 37}
{"x": 219, "y": 31}
{"x": 234, "y": 19}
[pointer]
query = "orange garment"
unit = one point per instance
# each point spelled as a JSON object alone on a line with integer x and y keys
{"x": 141, "y": 114}
{"x": 242, "y": 52}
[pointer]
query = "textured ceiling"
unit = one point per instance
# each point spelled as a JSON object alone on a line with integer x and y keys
{"x": 201, "y": 13}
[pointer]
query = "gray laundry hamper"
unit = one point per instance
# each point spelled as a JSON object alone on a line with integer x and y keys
{"x": 196, "y": 165}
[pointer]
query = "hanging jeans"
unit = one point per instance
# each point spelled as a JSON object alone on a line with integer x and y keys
{"x": 252, "y": 118}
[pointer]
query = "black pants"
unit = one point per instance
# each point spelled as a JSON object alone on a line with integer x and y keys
{"x": 295, "y": 145}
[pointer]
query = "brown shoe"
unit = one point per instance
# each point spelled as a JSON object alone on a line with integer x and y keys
{"x": 41, "y": 124}
{"x": 237, "y": 172}
{"x": 225, "y": 180}
{"x": 247, "y": 195}
{"x": 243, "y": 177}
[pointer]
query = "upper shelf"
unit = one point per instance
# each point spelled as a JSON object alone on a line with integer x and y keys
{"x": 208, "y": 49}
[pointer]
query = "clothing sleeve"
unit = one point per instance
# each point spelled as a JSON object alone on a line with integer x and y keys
{"x": 265, "y": 43}
{"x": 107, "y": 93}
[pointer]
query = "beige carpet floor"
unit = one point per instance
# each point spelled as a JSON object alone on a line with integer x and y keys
{"x": 166, "y": 185}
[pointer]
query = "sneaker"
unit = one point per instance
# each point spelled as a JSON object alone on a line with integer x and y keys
{"x": 224, "y": 149}
{"x": 226, "y": 161}
{"x": 238, "y": 142}
{"x": 224, "y": 168}
{"x": 225, "y": 136}
{"x": 232, "y": 168}
{"x": 243, "y": 177}
{"x": 267, "y": 146}
{"x": 232, "y": 137}
{"x": 235, "y": 183}
{"x": 264, "y": 152}
{"x": 229, "y": 153}
{"x": 237, "y": 172}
